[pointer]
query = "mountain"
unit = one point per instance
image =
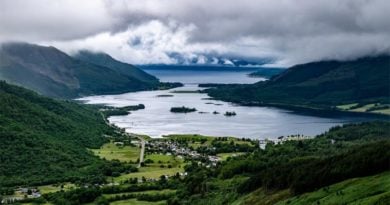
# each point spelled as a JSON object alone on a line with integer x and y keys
{"x": 103, "y": 59}
{"x": 51, "y": 72}
{"x": 45, "y": 140}
{"x": 322, "y": 84}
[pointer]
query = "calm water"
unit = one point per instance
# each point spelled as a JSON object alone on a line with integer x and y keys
{"x": 252, "y": 122}
{"x": 196, "y": 77}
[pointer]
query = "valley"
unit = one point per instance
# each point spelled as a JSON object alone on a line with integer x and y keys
{"x": 182, "y": 168}
{"x": 183, "y": 102}
{"x": 183, "y": 143}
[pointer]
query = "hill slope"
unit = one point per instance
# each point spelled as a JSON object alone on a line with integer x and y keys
{"x": 103, "y": 59}
{"x": 45, "y": 140}
{"x": 53, "y": 73}
{"x": 292, "y": 168}
{"x": 319, "y": 84}
{"x": 366, "y": 190}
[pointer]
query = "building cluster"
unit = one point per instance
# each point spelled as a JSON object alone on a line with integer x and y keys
{"x": 20, "y": 194}
{"x": 282, "y": 139}
{"x": 178, "y": 150}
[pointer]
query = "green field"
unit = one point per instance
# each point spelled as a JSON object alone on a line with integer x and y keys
{"x": 54, "y": 188}
{"x": 149, "y": 173}
{"x": 161, "y": 157}
{"x": 224, "y": 156}
{"x": 136, "y": 202}
{"x": 347, "y": 106}
{"x": 364, "y": 108}
{"x": 164, "y": 191}
{"x": 366, "y": 190}
{"x": 155, "y": 170}
{"x": 195, "y": 140}
{"x": 384, "y": 111}
{"x": 111, "y": 151}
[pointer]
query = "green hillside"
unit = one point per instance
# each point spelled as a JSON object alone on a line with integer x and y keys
{"x": 266, "y": 72}
{"x": 325, "y": 84}
{"x": 293, "y": 168}
{"x": 365, "y": 191}
{"x": 45, "y": 141}
{"x": 53, "y": 73}
{"x": 103, "y": 59}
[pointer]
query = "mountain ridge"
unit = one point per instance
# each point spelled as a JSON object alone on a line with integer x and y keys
{"x": 323, "y": 84}
{"x": 103, "y": 59}
{"x": 53, "y": 73}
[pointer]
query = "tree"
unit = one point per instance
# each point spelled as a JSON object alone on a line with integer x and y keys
{"x": 163, "y": 179}
{"x": 102, "y": 201}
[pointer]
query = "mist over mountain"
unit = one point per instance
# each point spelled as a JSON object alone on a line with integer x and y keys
{"x": 186, "y": 102}
{"x": 147, "y": 32}
{"x": 52, "y": 72}
{"x": 216, "y": 60}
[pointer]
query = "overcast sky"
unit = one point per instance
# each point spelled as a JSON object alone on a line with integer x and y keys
{"x": 148, "y": 31}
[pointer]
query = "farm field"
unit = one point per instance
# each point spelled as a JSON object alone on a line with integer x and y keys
{"x": 372, "y": 108}
{"x": 111, "y": 151}
{"x": 149, "y": 173}
{"x": 195, "y": 141}
{"x": 54, "y": 188}
{"x": 224, "y": 156}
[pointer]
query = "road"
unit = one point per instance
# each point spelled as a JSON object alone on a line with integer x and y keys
{"x": 142, "y": 152}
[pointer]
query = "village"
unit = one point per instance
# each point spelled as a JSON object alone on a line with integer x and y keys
{"x": 161, "y": 157}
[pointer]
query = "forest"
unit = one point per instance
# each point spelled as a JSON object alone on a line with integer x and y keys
{"x": 316, "y": 85}
{"x": 45, "y": 141}
{"x": 344, "y": 152}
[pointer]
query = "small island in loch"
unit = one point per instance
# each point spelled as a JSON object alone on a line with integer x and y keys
{"x": 182, "y": 109}
{"x": 116, "y": 111}
{"x": 229, "y": 114}
{"x": 164, "y": 96}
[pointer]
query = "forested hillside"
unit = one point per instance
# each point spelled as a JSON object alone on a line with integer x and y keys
{"x": 53, "y": 73}
{"x": 103, "y": 59}
{"x": 45, "y": 141}
{"x": 284, "y": 170}
{"x": 324, "y": 84}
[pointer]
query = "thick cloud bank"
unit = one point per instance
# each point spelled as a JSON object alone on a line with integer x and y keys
{"x": 149, "y": 31}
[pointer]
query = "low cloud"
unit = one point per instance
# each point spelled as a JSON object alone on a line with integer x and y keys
{"x": 149, "y": 31}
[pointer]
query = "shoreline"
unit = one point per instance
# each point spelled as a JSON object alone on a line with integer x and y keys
{"x": 304, "y": 110}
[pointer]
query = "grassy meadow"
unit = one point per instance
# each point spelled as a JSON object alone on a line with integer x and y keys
{"x": 111, "y": 151}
